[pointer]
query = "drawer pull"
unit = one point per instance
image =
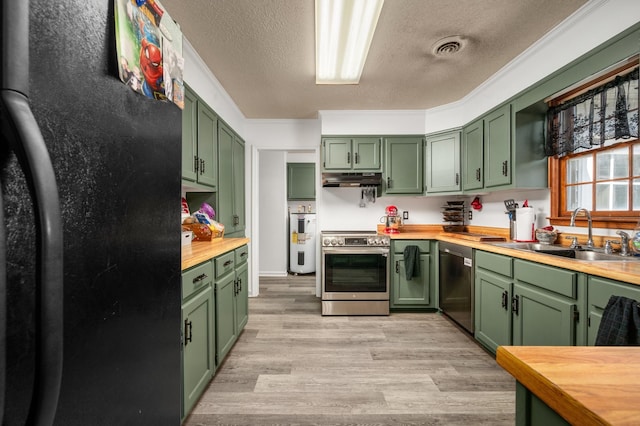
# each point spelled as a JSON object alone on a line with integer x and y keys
{"x": 200, "y": 277}
{"x": 243, "y": 254}
{"x": 227, "y": 263}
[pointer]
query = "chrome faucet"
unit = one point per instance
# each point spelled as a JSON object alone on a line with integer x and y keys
{"x": 589, "y": 224}
{"x": 624, "y": 243}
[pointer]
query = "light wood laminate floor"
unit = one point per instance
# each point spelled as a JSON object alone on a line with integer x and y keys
{"x": 292, "y": 366}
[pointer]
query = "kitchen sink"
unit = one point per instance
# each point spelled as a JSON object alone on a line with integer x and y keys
{"x": 578, "y": 254}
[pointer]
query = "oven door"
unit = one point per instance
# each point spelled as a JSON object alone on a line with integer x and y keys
{"x": 357, "y": 273}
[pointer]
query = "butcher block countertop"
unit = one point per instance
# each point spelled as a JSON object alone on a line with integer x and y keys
{"x": 201, "y": 251}
{"x": 586, "y": 385}
{"x": 626, "y": 271}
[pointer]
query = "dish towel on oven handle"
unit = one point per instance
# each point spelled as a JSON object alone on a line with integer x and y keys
{"x": 411, "y": 261}
{"x": 620, "y": 325}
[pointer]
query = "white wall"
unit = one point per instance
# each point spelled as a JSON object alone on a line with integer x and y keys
{"x": 272, "y": 201}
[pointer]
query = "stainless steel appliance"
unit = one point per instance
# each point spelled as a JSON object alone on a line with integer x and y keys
{"x": 456, "y": 283}
{"x": 355, "y": 273}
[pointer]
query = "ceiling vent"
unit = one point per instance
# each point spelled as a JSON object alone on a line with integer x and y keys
{"x": 448, "y": 46}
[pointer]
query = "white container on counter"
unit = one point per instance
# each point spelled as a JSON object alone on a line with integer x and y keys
{"x": 525, "y": 224}
{"x": 187, "y": 236}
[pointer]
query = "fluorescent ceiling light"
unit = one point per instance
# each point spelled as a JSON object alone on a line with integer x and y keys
{"x": 344, "y": 29}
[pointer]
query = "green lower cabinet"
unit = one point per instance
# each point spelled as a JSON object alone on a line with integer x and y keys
{"x": 418, "y": 293}
{"x": 599, "y": 292}
{"x": 546, "y": 303}
{"x": 242, "y": 297}
{"x": 232, "y": 299}
{"x": 198, "y": 334}
{"x": 225, "y": 315}
{"x": 493, "y": 309}
{"x": 542, "y": 318}
{"x": 532, "y": 411}
{"x": 519, "y": 302}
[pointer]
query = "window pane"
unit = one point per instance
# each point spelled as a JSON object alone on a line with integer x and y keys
{"x": 612, "y": 164}
{"x": 579, "y": 196}
{"x": 580, "y": 169}
{"x": 612, "y": 196}
{"x": 636, "y": 194}
{"x": 636, "y": 161}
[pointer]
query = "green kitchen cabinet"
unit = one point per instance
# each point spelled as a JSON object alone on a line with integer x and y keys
{"x": 497, "y": 147}
{"x": 493, "y": 289}
{"x": 358, "y": 153}
{"x": 230, "y": 209}
{"x": 546, "y": 303}
{"x": 599, "y": 290}
{"x": 505, "y": 150}
{"x": 519, "y": 302}
{"x": 473, "y": 156}
{"x": 532, "y": 411}
{"x": 199, "y": 141}
{"x": 231, "y": 297}
{"x": 404, "y": 165}
{"x": 443, "y": 162}
{"x": 198, "y": 333}
{"x": 418, "y": 292}
{"x": 301, "y": 181}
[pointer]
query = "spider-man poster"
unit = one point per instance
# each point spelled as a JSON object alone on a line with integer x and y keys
{"x": 149, "y": 46}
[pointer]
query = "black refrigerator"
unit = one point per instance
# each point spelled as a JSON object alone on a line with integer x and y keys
{"x": 90, "y": 241}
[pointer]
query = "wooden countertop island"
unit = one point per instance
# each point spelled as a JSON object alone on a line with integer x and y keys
{"x": 585, "y": 385}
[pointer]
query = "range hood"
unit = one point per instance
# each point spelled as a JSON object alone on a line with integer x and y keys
{"x": 351, "y": 179}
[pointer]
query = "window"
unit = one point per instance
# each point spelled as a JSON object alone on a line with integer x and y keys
{"x": 594, "y": 150}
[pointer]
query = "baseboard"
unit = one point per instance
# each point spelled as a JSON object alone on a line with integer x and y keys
{"x": 272, "y": 274}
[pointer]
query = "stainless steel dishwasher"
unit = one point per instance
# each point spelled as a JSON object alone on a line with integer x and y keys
{"x": 456, "y": 283}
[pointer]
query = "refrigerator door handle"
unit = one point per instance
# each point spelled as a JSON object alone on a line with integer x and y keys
{"x": 22, "y": 132}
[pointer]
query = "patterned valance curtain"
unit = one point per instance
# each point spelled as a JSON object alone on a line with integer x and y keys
{"x": 605, "y": 114}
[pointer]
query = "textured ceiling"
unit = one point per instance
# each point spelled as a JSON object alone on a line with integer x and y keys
{"x": 262, "y": 51}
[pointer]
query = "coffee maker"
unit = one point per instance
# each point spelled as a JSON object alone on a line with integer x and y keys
{"x": 391, "y": 220}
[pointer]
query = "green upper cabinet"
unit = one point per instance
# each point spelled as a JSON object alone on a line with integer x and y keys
{"x": 230, "y": 207}
{"x": 443, "y": 162}
{"x": 351, "y": 153}
{"x": 199, "y": 141}
{"x": 473, "y": 156}
{"x": 404, "y": 165}
{"x": 301, "y": 181}
{"x": 497, "y": 147}
{"x": 189, "y": 136}
{"x": 504, "y": 150}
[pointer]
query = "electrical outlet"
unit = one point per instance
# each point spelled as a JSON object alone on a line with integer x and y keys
{"x": 470, "y": 215}
{"x": 405, "y": 215}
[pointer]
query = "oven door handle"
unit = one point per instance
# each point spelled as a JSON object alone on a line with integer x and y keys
{"x": 356, "y": 250}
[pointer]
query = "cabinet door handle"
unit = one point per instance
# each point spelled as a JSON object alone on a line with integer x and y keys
{"x": 357, "y": 160}
{"x": 239, "y": 285}
{"x": 397, "y": 267}
{"x": 505, "y": 168}
{"x": 348, "y": 158}
{"x": 235, "y": 287}
{"x": 195, "y": 164}
{"x": 201, "y": 166}
{"x": 457, "y": 178}
{"x": 187, "y": 332}
{"x": 505, "y": 299}
{"x": 236, "y": 219}
{"x": 478, "y": 174}
{"x": 515, "y": 304}
{"x": 388, "y": 182}
{"x": 200, "y": 278}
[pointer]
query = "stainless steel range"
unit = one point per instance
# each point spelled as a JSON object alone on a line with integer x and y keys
{"x": 355, "y": 273}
